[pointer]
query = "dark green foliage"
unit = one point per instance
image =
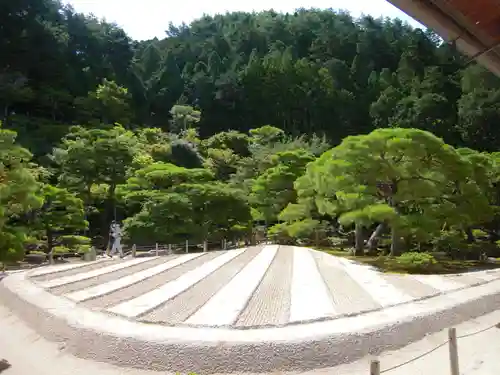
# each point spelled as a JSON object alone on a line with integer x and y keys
{"x": 185, "y": 154}
{"x": 316, "y": 71}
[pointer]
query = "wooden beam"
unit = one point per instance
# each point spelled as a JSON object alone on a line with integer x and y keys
{"x": 428, "y": 14}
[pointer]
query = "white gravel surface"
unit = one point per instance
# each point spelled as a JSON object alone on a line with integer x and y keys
{"x": 30, "y": 354}
{"x": 478, "y": 354}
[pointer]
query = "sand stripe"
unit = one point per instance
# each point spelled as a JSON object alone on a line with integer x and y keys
{"x": 72, "y": 271}
{"x": 379, "y": 288}
{"x": 270, "y": 304}
{"x": 146, "y": 286}
{"x": 107, "y": 277}
{"x": 310, "y": 297}
{"x": 145, "y": 303}
{"x": 467, "y": 279}
{"x": 487, "y": 276}
{"x": 411, "y": 286}
{"x": 178, "y": 309}
{"x": 225, "y": 307}
{"x": 348, "y": 296}
{"x": 94, "y": 273}
{"x": 113, "y": 285}
{"x": 62, "y": 268}
{"x": 440, "y": 283}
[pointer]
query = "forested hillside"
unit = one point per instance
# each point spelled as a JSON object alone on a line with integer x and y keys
{"x": 238, "y": 119}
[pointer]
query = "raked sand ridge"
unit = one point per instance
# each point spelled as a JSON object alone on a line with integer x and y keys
{"x": 316, "y": 287}
{"x": 243, "y": 295}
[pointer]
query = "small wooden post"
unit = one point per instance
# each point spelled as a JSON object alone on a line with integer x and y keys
{"x": 187, "y": 246}
{"x": 134, "y": 250}
{"x": 205, "y": 246}
{"x": 452, "y": 337}
{"x": 375, "y": 367}
{"x": 156, "y": 249}
{"x": 169, "y": 249}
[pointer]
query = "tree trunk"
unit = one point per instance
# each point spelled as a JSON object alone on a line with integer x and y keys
{"x": 395, "y": 236}
{"x": 395, "y": 242}
{"x": 5, "y": 113}
{"x": 374, "y": 238}
{"x": 359, "y": 240}
{"x": 50, "y": 244}
{"x": 87, "y": 199}
{"x": 470, "y": 235}
{"x": 492, "y": 236}
{"x": 408, "y": 242}
{"x": 112, "y": 201}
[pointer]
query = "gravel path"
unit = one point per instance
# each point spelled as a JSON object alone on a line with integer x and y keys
{"x": 46, "y": 357}
{"x": 270, "y": 303}
{"x": 478, "y": 354}
{"x": 184, "y": 305}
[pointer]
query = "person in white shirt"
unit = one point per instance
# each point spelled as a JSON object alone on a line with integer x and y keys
{"x": 115, "y": 233}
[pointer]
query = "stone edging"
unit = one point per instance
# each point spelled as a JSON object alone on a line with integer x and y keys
{"x": 97, "y": 336}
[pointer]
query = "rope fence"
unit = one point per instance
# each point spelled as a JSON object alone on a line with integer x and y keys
{"x": 157, "y": 249}
{"x": 191, "y": 247}
{"x": 452, "y": 348}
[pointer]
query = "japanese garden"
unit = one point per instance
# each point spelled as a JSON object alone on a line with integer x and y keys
{"x": 365, "y": 136}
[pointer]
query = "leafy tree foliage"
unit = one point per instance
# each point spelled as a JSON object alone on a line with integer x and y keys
{"x": 18, "y": 194}
{"x": 407, "y": 178}
{"x": 60, "y": 211}
{"x": 273, "y": 190}
{"x": 317, "y": 71}
{"x": 179, "y": 204}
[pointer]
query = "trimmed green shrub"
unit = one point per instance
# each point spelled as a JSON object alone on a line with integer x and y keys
{"x": 73, "y": 241}
{"x": 82, "y": 249}
{"x": 60, "y": 250}
{"x": 36, "y": 252}
{"x": 416, "y": 261}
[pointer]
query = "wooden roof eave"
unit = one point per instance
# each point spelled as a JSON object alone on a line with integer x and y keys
{"x": 451, "y": 31}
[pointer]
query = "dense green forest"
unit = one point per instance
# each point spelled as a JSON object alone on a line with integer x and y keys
{"x": 315, "y": 125}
